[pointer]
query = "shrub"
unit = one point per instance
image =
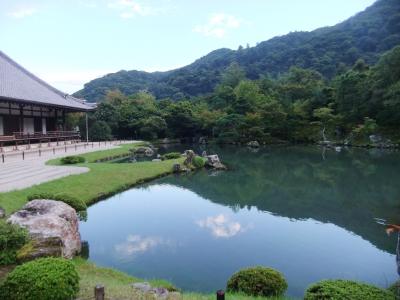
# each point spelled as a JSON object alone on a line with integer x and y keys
{"x": 257, "y": 281}
{"x": 12, "y": 238}
{"x": 44, "y": 278}
{"x": 171, "y": 155}
{"x": 76, "y": 203}
{"x": 346, "y": 289}
{"x": 72, "y": 160}
{"x": 198, "y": 161}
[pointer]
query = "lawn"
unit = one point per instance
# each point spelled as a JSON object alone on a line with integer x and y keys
{"x": 103, "y": 179}
{"x": 118, "y": 285}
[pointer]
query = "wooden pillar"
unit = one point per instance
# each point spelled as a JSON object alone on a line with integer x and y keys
{"x": 21, "y": 118}
{"x": 99, "y": 292}
{"x": 56, "y": 118}
{"x": 63, "y": 120}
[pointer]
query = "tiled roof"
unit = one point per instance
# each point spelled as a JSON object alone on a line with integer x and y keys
{"x": 18, "y": 84}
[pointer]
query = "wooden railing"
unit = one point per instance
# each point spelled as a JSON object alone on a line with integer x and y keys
{"x": 49, "y": 135}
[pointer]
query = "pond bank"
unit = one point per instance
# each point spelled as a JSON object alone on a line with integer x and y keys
{"x": 103, "y": 180}
{"x": 113, "y": 178}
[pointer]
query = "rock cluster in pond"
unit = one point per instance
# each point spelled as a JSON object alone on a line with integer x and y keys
{"x": 148, "y": 151}
{"x": 53, "y": 227}
{"x": 214, "y": 162}
{"x": 149, "y": 292}
{"x": 253, "y": 144}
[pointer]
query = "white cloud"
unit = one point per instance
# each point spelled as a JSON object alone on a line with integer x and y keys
{"x": 218, "y": 25}
{"x": 22, "y": 12}
{"x": 130, "y": 8}
{"x": 136, "y": 244}
{"x": 221, "y": 226}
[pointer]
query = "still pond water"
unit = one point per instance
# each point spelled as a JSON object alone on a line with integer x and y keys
{"x": 309, "y": 213}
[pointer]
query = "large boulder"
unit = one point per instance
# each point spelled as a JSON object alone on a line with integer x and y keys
{"x": 53, "y": 227}
{"x": 189, "y": 154}
{"x": 148, "y": 151}
{"x": 214, "y": 162}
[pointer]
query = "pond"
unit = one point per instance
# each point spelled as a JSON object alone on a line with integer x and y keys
{"x": 309, "y": 213}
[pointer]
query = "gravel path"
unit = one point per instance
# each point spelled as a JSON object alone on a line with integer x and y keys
{"x": 16, "y": 173}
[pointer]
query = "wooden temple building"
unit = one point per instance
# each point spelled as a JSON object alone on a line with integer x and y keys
{"x": 30, "y": 109}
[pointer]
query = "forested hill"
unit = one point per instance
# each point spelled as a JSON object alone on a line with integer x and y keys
{"x": 327, "y": 50}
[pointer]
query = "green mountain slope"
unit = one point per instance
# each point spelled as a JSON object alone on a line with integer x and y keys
{"x": 327, "y": 50}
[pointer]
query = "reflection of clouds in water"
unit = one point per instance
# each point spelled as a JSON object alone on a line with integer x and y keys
{"x": 136, "y": 244}
{"x": 221, "y": 226}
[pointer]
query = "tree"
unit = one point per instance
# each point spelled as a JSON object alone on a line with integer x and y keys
{"x": 152, "y": 128}
{"x": 233, "y": 75}
{"x": 100, "y": 131}
{"x": 327, "y": 119}
{"x": 247, "y": 97}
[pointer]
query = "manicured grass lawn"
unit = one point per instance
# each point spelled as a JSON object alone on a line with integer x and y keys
{"x": 102, "y": 180}
{"x": 118, "y": 285}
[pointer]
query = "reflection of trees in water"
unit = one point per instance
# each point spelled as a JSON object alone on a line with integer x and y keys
{"x": 349, "y": 189}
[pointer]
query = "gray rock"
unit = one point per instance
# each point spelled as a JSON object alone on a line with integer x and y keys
{"x": 177, "y": 168}
{"x": 50, "y": 220}
{"x": 253, "y": 144}
{"x": 375, "y": 138}
{"x": 214, "y": 162}
{"x": 142, "y": 286}
{"x": 149, "y": 292}
{"x": 189, "y": 157}
{"x": 156, "y": 159}
{"x": 145, "y": 150}
{"x": 2, "y": 213}
{"x": 204, "y": 154}
{"x": 338, "y": 149}
{"x": 203, "y": 140}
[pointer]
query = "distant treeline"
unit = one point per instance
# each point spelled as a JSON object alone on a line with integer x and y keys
{"x": 299, "y": 106}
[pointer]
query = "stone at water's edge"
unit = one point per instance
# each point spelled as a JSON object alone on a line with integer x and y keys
{"x": 149, "y": 292}
{"x": 148, "y": 151}
{"x": 189, "y": 157}
{"x": 214, "y": 162}
{"x": 2, "y": 213}
{"x": 51, "y": 225}
{"x": 253, "y": 144}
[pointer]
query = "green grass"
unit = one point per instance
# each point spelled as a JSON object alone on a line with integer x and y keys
{"x": 117, "y": 284}
{"x": 103, "y": 179}
{"x": 194, "y": 296}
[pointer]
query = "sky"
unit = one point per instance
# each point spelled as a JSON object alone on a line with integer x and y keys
{"x": 70, "y": 42}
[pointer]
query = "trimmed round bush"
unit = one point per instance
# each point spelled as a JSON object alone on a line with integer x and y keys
{"x": 44, "y": 278}
{"x": 171, "y": 155}
{"x": 72, "y": 160}
{"x": 257, "y": 281}
{"x": 76, "y": 203}
{"x": 198, "y": 161}
{"x": 346, "y": 289}
{"x": 12, "y": 238}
